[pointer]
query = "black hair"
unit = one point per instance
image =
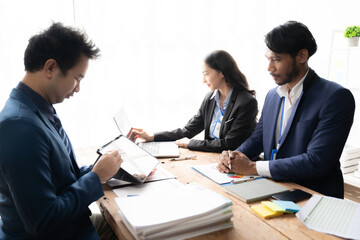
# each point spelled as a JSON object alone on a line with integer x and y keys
{"x": 63, "y": 44}
{"x": 223, "y": 62}
{"x": 290, "y": 38}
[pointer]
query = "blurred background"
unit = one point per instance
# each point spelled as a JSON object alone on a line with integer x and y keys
{"x": 153, "y": 52}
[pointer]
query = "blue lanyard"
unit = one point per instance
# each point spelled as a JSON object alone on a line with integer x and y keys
{"x": 222, "y": 111}
{"x": 274, "y": 151}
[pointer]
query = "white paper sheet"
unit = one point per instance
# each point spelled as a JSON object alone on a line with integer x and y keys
{"x": 210, "y": 171}
{"x": 332, "y": 215}
{"x": 149, "y": 188}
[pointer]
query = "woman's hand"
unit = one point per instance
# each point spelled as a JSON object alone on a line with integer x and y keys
{"x": 184, "y": 142}
{"x": 136, "y": 133}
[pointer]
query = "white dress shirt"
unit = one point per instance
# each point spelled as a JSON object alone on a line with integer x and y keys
{"x": 291, "y": 97}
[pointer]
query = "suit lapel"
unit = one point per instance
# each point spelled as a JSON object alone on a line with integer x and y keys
{"x": 274, "y": 118}
{"x": 308, "y": 82}
{"x": 290, "y": 120}
{"x": 209, "y": 116}
{"x": 228, "y": 110}
{"x": 22, "y": 97}
{"x": 47, "y": 122}
{"x": 73, "y": 165}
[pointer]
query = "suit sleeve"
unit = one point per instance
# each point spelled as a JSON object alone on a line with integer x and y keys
{"x": 326, "y": 141}
{"x": 253, "y": 146}
{"x": 29, "y": 172}
{"x": 244, "y": 121}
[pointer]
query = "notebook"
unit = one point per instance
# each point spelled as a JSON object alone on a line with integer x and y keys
{"x": 157, "y": 149}
{"x": 255, "y": 190}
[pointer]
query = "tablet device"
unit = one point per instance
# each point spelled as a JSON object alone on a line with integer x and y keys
{"x": 293, "y": 195}
{"x": 137, "y": 164}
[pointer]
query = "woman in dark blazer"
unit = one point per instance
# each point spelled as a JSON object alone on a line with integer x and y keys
{"x": 227, "y": 113}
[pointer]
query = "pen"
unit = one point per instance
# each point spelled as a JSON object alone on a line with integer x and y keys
{"x": 183, "y": 158}
{"x": 95, "y": 162}
{"x": 241, "y": 180}
{"x": 229, "y": 152}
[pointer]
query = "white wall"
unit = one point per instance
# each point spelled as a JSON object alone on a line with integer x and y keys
{"x": 153, "y": 51}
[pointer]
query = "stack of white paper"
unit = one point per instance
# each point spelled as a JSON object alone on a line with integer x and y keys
{"x": 349, "y": 160}
{"x": 187, "y": 212}
{"x": 357, "y": 172}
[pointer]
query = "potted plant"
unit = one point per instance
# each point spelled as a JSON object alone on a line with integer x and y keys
{"x": 352, "y": 33}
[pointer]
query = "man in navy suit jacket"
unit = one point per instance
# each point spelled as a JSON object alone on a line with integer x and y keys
{"x": 43, "y": 192}
{"x": 304, "y": 123}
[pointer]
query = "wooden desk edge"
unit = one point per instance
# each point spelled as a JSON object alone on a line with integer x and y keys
{"x": 106, "y": 204}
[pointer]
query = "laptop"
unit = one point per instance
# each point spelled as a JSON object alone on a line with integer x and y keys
{"x": 157, "y": 149}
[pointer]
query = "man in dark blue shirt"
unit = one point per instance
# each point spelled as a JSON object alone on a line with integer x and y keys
{"x": 43, "y": 192}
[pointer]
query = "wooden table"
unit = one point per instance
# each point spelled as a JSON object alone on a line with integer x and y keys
{"x": 247, "y": 225}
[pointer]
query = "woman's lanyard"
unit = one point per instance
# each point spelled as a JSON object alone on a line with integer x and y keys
{"x": 216, "y": 131}
{"x": 274, "y": 151}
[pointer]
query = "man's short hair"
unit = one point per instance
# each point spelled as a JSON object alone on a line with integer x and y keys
{"x": 290, "y": 38}
{"x": 63, "y": 44}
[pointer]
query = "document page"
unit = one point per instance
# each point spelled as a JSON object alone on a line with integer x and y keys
{"x": 332, "y": 215}
{"x": 136, "y": 161}
{"x": 149, "y": 188}
{"x": 160, "y": 174}
{"x": 210, "y": 171}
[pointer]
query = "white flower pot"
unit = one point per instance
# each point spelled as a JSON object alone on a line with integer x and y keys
{"x": 353, "y": 42}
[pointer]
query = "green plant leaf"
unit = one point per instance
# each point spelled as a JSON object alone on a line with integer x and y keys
{"x": 352, "y": 31}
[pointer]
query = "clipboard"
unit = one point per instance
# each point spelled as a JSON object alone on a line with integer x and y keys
{"x": 137, "y": 163}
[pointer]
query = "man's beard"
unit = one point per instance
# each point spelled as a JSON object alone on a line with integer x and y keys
{"x": 290, "y": 76}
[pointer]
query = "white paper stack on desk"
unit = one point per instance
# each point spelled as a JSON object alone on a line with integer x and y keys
{"x": 349, "y": 159}
{"x": 187, "y": 212}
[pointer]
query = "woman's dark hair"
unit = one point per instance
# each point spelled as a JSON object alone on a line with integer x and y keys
{"x": 223, "y": 62}
{"x": 63, "y": 44}
{"x": 290, "y": 38}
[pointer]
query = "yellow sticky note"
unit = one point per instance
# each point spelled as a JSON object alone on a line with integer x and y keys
{"x": 275, "y": 207}
{"x": 264, "y": 211}
{"x": 272, "y": 206}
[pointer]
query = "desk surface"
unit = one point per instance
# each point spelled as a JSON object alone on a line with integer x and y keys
{"x": 247, "y": 225}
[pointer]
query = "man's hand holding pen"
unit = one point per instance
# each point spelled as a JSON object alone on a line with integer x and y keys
{"x": 107, "y": 165}
{"x": 236, "y": 162}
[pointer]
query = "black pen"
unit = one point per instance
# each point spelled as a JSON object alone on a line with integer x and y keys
{"x": 96, "y": 161}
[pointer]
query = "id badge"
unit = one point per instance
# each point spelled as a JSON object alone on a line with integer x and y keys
{"x": 273, "y": 154}
{"x": 216, "y": 131}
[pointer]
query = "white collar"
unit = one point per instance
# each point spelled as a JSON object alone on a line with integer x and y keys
{"x": 214, "y": 93}
{"x": 295, "y": 92}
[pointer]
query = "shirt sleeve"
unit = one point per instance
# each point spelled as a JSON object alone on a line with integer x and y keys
{"x": 263, "y": 169}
